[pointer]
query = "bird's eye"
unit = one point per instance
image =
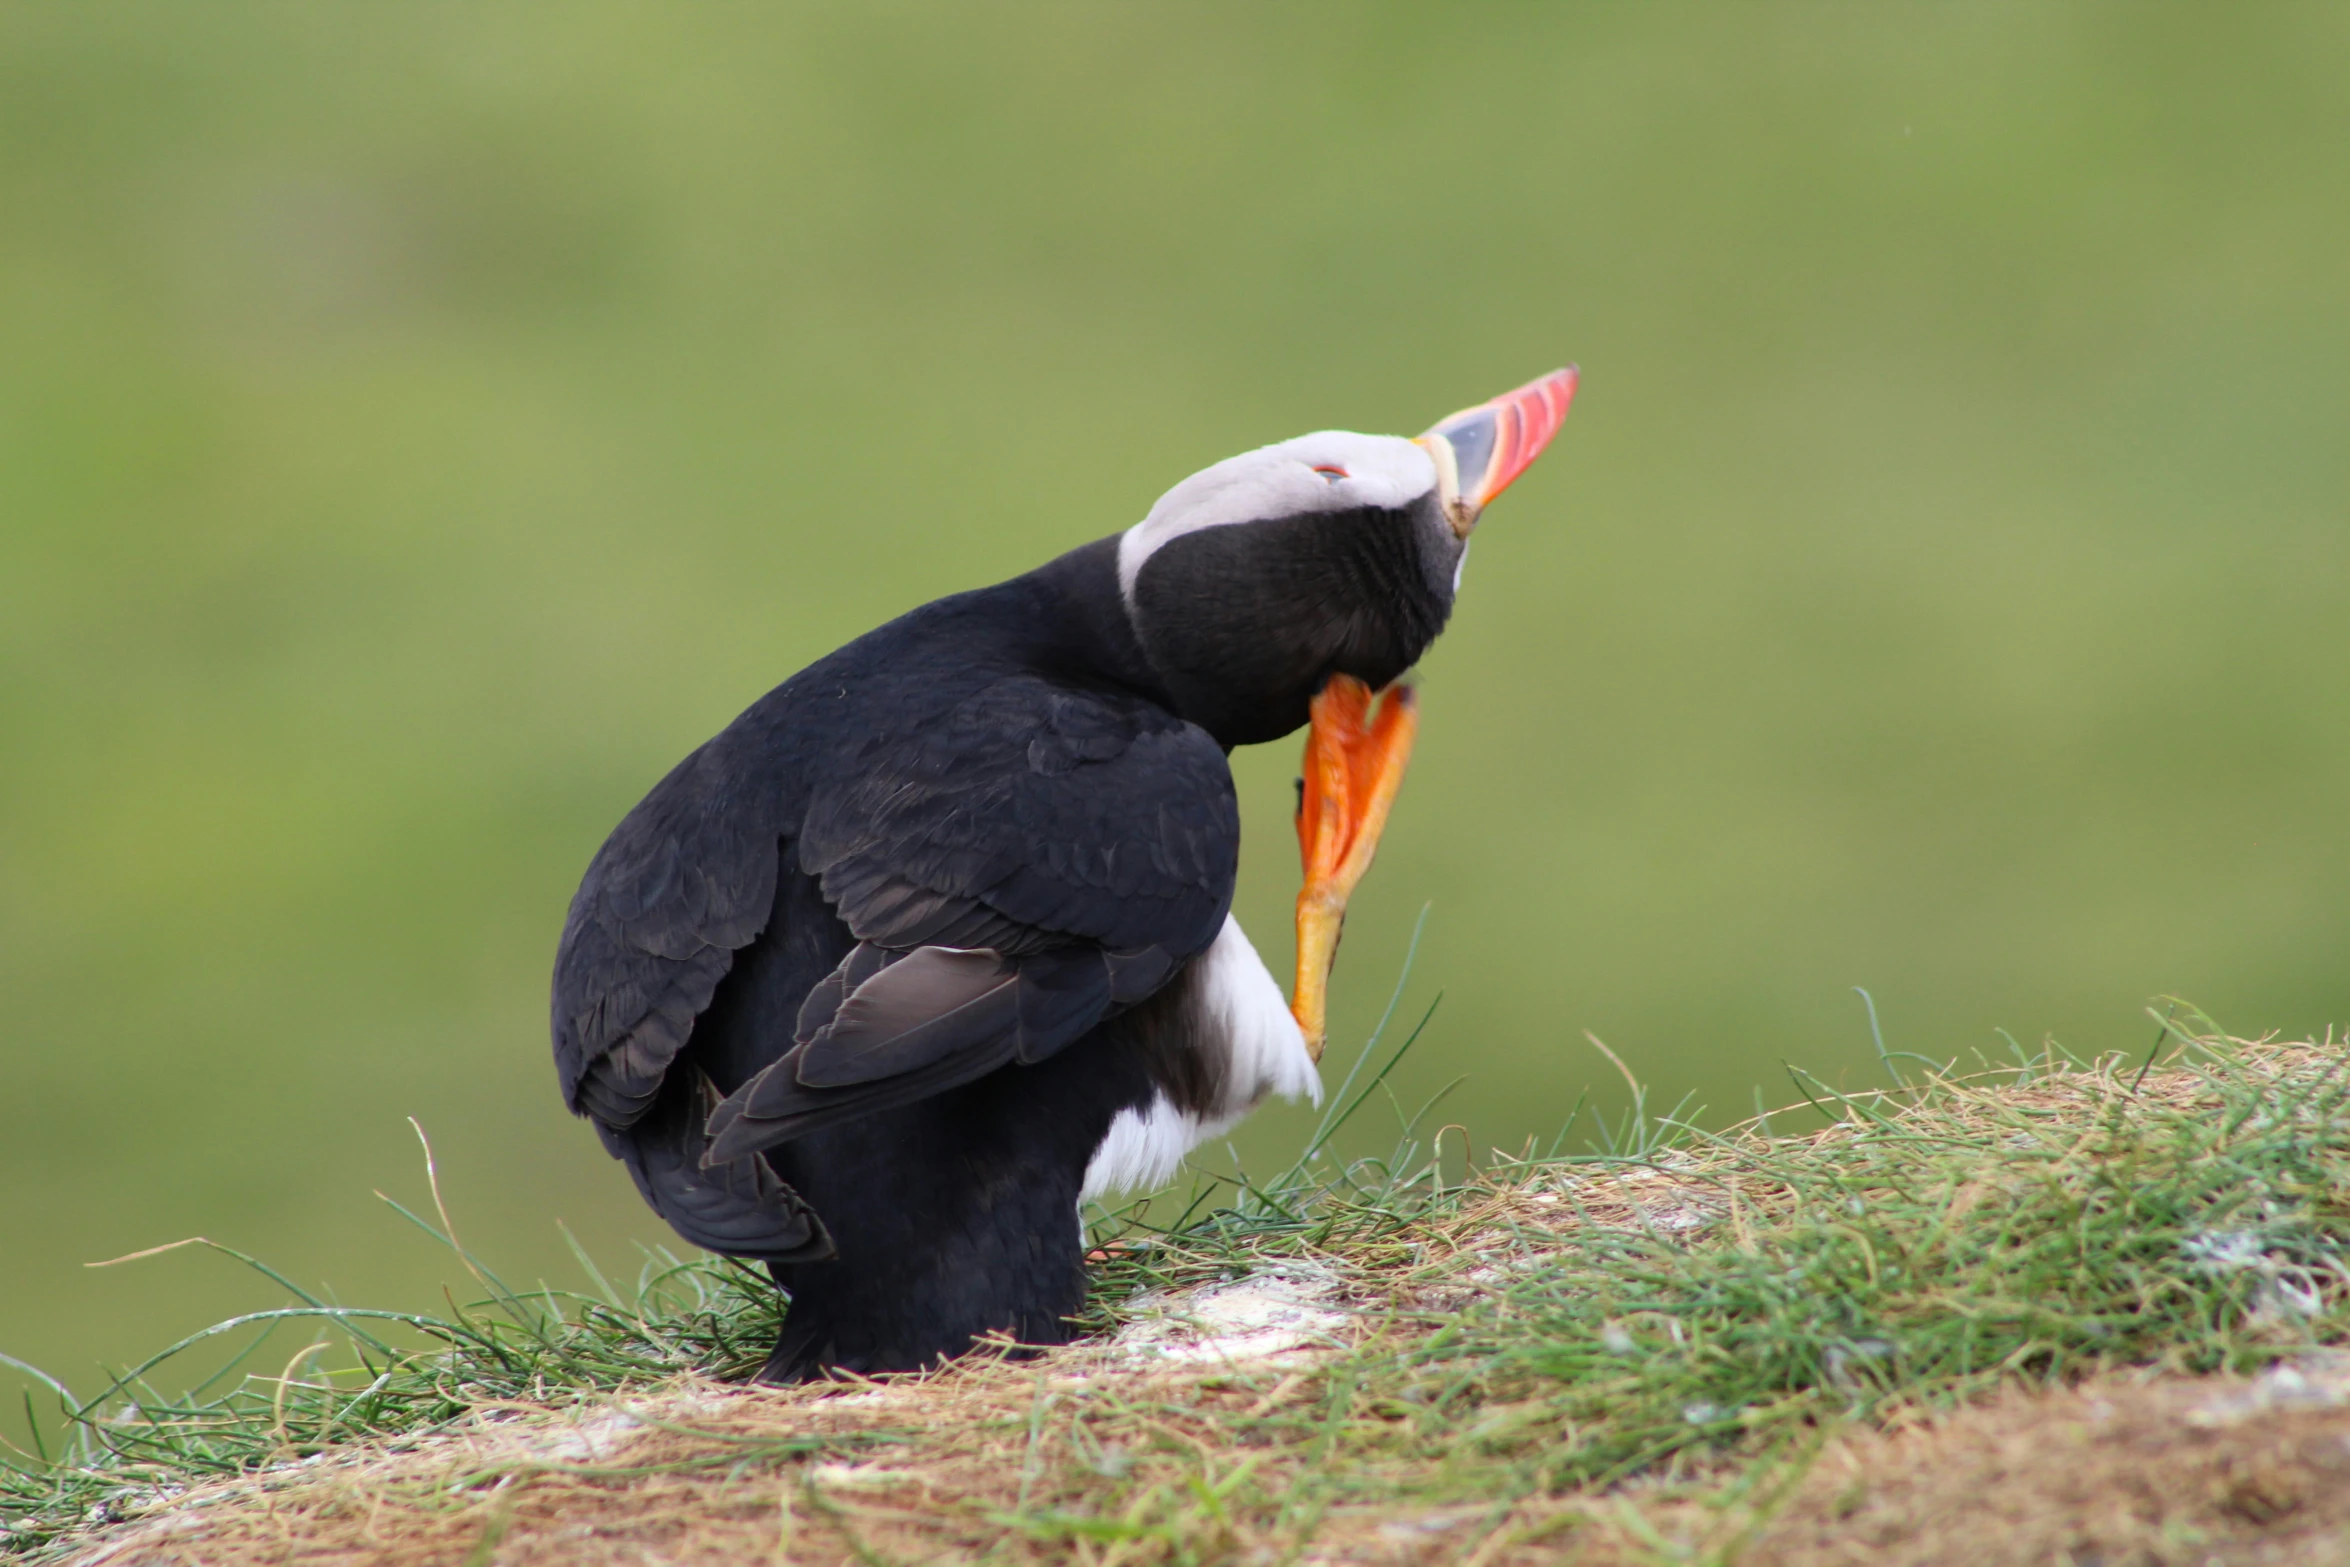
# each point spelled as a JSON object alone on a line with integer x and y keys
{"x": 1330, "y": 472}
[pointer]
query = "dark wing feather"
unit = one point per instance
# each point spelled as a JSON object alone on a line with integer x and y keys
{"x": 927, "y": 1022}
{"x": 984, "y": 884}
{"x": 1013, "y": 872}
{"x": 1032, "y": 814}
{"x": 686, "y": 879}
{"x": 739, "y": 1207}
{"x": 895, "y": 1022}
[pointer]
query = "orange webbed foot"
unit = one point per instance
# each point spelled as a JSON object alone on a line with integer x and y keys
{"x": 1354, "y": 764}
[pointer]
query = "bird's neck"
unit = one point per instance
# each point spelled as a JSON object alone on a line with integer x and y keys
{"x": 1083, "y": 629}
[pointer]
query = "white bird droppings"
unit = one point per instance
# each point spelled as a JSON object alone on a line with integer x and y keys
{"x": 1280, "y": 1311}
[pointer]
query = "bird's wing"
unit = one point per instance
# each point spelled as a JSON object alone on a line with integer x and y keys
{"x": 683, "y": 883}
{"x": 1009, "y": 871}
{"x": 686, "y": 881}
{"x": 1012, "y": 872}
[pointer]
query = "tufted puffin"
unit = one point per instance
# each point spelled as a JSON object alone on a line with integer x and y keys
{"x": 934, "y": 942}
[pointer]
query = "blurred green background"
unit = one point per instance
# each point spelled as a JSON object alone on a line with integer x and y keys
{"x": 421, "y": 424}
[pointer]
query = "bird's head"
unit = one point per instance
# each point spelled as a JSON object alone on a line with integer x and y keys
{"x": 1252, "y": 582}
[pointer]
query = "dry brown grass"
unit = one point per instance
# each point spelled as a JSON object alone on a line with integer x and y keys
{"x": 2188, "y": 1472}
{"x": 1113, "y": 1456}
{"x": 2165, "y": 1474}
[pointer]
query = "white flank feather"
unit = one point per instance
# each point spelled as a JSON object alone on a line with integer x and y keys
{"x": 1243, "y": 1019}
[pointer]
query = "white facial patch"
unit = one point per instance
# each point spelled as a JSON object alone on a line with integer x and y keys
{"x": 1331, "y": 470}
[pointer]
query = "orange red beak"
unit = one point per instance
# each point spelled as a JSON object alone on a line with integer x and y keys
{"x": 1479, "y": 450}
{"x": 1354, "y": 766}
{"x": 1355, "y": 758}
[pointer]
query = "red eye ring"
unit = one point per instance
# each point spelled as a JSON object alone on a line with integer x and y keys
{"x": 1330, "y": 470}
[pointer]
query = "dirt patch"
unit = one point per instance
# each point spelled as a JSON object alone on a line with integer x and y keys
{"x": 2182, "y": 1473}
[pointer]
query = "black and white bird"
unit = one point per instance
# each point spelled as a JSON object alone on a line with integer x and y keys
{"x": 935, "y": 942}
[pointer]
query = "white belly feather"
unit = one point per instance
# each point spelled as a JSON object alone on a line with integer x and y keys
{"x": 1243, "y": 1021}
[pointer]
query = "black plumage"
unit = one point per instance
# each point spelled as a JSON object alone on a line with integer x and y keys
{"x": 860, "y": 988}
{"x": 998, "y": 773}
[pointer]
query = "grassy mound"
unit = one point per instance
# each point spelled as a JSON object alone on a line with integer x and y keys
{"x": 1761, "y": 1345}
